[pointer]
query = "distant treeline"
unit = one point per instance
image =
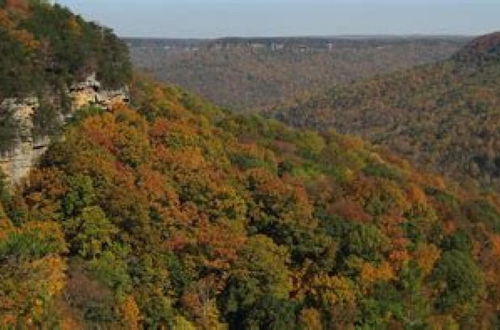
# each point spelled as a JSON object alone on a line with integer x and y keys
{"x": 294, "y": 42}
{"x": 252, "y": 74}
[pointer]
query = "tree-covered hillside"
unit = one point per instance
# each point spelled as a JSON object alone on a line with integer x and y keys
{"x": 170, "y": 213}
{"x": 45, "y": 49}
{"x": 174, "y": 214}
{"x": 47, "y": 46}
{"x": 444, "y": 116}
{"x": 255, "y": 74}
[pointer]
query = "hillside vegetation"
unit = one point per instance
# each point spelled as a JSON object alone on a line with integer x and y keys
{"x": 45, "y": 49}
{"x": 256, "y": 74}
{"x": 173, "y": 213}
{"x": 170, "y": 213}
{"x": 444, "y": 116}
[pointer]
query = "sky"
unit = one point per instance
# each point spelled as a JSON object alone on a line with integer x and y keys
{"x": 222, "y": 18}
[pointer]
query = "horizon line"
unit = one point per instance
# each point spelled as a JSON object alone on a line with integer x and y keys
{"x": 333, "y": 36}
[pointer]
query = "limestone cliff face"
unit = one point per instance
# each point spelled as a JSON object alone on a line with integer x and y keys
{"x": 90, "y": 92}
{"x": 27, "y": 149}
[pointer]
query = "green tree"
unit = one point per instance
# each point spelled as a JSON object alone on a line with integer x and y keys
{"x": 460, "y": 283}
{"x": 91, "y": 233}
{"x": 260, "y": 271}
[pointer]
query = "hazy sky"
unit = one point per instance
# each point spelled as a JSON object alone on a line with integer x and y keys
{"x": 217, "y": 18}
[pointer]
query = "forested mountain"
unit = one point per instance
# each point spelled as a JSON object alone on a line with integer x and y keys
{"x": 173, "y": 213}
{"x": 444, "y": 116}
{"x": 170, "y": 213}
{"x": 254, "y": 74}
{"x": 45, "y": 49}
{"x": 44, "y": 46}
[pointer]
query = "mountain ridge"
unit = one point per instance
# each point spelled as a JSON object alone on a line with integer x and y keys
{"x": 484, "y": 48}
{"x": 253, "y": 74}
{"x": 440, "y": 115}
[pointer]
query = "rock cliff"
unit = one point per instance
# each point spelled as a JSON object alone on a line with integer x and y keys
{"x": 27, "y": 148}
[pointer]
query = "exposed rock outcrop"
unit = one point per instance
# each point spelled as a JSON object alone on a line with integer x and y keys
{"x": 90, "y": 92}
{"x": 27, "y": 150}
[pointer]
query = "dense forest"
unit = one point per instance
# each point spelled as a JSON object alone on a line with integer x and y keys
{"x": 444, "y": 116}
{"x": 255, "y": 74}
{"x": 45, "y": 49}
{"x": 172, "y": 213}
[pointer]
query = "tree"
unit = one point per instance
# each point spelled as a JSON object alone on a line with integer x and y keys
{"x": 91, "y": 233}
{"x": 459, "y": 282}
{"x": 32, "y": 273}
{"x": 260, "y": 272}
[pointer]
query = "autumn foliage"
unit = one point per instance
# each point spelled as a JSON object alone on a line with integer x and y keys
{"x": 172, "y": 213}
{"x": 443, "y": 116}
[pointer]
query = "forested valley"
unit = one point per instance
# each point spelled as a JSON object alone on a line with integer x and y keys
{"x": 255, "y": 74}
{"x": 169, "y": 212}
{"x": 444, "y": 116}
